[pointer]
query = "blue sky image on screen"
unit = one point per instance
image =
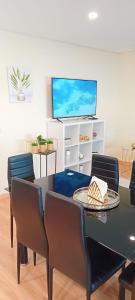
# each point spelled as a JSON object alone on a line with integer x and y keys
{"x": 73, "y": 97}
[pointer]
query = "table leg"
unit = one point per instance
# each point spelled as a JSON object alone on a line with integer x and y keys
{"x": 55, "y": 161}
{"x": 24, "y": 255}
{"x": 40, "y": 165}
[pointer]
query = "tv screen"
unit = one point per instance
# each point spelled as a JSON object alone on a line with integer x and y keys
{"x": 73, "y": 97}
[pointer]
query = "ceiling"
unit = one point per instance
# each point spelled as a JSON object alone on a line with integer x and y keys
{"x": 67, "y": 21}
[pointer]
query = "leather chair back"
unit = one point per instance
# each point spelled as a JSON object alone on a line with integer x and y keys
{"x": 20, "y": 166}
{"x": 107, "y": 169}
{"x": 132, "y": 180}
{"x": 64, "y": 222}
{"x": 28, "y": 212}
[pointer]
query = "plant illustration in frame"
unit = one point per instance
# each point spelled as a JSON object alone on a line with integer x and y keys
{"x": 19, "y": 85}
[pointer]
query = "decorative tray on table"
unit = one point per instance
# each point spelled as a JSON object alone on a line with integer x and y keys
{"x": 111, "y": 199}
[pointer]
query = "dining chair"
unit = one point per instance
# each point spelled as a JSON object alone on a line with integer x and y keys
{"x": 80, "y": 258}
{"x": 107, "y": 169}
{"x": 132, "y": 179}
{"x": 127, "y": 277}
{"x": 127, "y": 281}
{"x": 20, "y": 166}
{"x": 27, "y": 208}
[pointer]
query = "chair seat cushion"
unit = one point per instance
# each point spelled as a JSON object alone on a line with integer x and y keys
{"x": 127, "y": 276}
{"x": 104, "y": 263}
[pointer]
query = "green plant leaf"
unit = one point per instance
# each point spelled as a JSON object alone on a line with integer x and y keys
{"x": 18, "y": 73}
{"x": 13, "y": 81}
{"x": 23, "y": 76}
{"x": 49, "y": 142}
{"x": 27, "y": 85}
{"x": 19, "y": 80}
{"x": 14, "y": 71}
{"x": 27, "y": 77}
{"x": 39, "y": 138}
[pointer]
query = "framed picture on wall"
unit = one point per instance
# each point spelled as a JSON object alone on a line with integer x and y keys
{"x": 19, "y": 82}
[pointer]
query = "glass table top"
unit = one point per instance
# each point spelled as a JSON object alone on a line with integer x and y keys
{"x": 114, "y": 228}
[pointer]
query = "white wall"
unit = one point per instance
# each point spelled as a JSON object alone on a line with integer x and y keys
{"x": 124, "y": 110}
{"x": 126, "y": 128}
{"x": 45, "y": 58}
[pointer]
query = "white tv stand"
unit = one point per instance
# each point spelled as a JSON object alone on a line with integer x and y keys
{"x": 70, "y": 131}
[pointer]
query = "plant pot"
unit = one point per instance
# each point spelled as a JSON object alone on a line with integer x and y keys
{"x": 45, "y": 146}
{"x": 20, "y": 96}
{"x": 49, "y": 147}
{"x": 42, "y": 148}
{"x": 34, "y": 149}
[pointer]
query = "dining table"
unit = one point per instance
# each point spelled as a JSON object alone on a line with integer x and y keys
{"x": 114, "y": 228}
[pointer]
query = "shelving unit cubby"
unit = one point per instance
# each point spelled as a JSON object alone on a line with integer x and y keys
{"x": 80, "y": 138}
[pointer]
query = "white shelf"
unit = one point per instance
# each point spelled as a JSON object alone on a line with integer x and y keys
{"x": 86, "y": 142}
{"x": 71, "y": 164}
{"x": 72, "y": 130}
{"x": 83, "y": 161}
{"x": 97, "y": 140}
{"x": 71, "y": 145}
{"x": 75, "y": 168}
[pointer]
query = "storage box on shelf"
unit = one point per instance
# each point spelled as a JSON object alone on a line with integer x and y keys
{"x": 77, "y": 139}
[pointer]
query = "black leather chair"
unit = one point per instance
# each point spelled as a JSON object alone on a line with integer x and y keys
{"x": 127, "y": 277}
{"x": 127, "y": 281}
{"x": 29, "y": 217}
{"x": 107, "y": 169}
{"x": 132, "y": 180}
{"x": 82, "y": 259}
{"x": 20, "y": 166}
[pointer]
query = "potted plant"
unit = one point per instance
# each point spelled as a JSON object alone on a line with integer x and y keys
{"x": 42, "y": 145}
{"x": 34, "y": 146}
{"x": 49, "y": 145}
{"x": 39, "y": 138}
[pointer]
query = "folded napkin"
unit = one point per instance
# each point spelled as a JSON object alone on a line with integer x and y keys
{"x": 97, "y": 189}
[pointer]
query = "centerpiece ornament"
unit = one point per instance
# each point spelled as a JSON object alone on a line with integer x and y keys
{"x": 97, "y": 189}
{"x": 97, "y": 196}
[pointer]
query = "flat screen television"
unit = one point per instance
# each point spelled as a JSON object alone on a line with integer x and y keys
{"x": 73, "y": 97}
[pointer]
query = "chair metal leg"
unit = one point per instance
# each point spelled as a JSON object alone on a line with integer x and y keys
{"x": 121, "y": 293}
{"x": 18, "y": 261}
{"x": 133, "y": 290}
{"x": 50, "y": 288}
{"x": 88, "y": 295}
{"x": 47, "y": 270}
{"x": 11, "y": 226}
{"x": 34, "y": 258}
